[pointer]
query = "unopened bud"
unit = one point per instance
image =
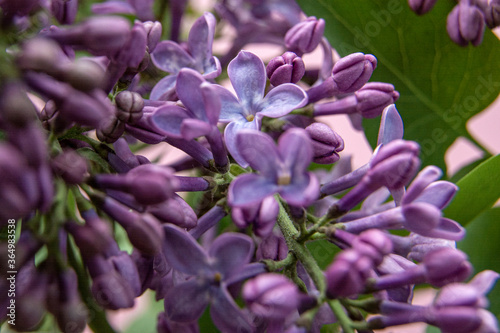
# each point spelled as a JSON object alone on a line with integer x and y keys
{"x": 326, "y": 143}
{"x": 465, "y": 24}
{"x": 305, "y": 36}
{"x": 129, "y": 106}
{"x": 421, "y": 6}
{"x": 288, "y": 68}
{"x": 352, "y": 72}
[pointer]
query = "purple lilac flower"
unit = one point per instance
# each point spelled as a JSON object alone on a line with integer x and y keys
{"x": 64, "y": 10}
{"x": 212, "y": 271}
{"x": 421, "y": 6}
{"x": 282, "y": 169}
{"x": 287, "y": 68}
{"x": 305, "y": 36}
{"x": 171, "y": 57}
{"x": 491, "y": 12}
{"x": 465, "y": 24}
{"x": 248, "y": 77}
{"x": 326, "y": 143}
{"x": 142, "y": 8}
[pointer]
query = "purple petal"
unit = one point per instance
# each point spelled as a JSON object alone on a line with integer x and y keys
{"x": 484, "y": 281}
{"x": 187, "y": 301}
{"x": 259, "y": 151}
{"x": 212, "y": 102}
{"x": 249, "y": 189}
{"x": 182, "y": 251}
{"x": 231, "y": 109}
{"x": 227, "y": 316}
{"x": 302, "y": 193}
{"x": 213, "y": 69}
{"x": 113, "y": 7}
{"x": 167, "y": 120}
{"x": 448, "y": 229}
{"x": 423, "y": 179}
{"x": 295, "y": 150}
{"x": 171, "y": 58}
{"x": 391, "y": 125}
{"x": 194, "y": 128}
{"x": 201, "y": 37}
{"x": 231, "y": 251}
{"x": 282, "y": 100}
{"x": 189, "y": 92}
{"x": 248, "y": 77}
{"x": 164, "y": 89}
{"x": 438, "y": 194}
{"x": 232, "y": 129}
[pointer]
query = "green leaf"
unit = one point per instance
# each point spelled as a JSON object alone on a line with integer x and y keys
{"x": 323, "y": 252}
{"x": 482, "y": 246}
{"x": 441, "y": 84}
{"x": 432, "y": 329}
{"x": 478, "y": 191}
{"x": 91, "y": 155}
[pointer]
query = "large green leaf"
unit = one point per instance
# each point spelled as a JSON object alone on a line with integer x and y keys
{"x": 441, "y": 84}
{"x": 478, "y": 191}
{"x": 482, "y": 244}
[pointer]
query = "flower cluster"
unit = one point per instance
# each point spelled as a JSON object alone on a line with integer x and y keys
{"x": 98, "y": 224}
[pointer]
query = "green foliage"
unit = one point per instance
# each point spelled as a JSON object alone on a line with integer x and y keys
{"x": 478, "y": 191}
{"x": 441, "y": 84}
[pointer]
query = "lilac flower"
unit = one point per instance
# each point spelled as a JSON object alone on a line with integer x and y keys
{"x": 262, "y": 215}
{"x": 305, "y": 36}
{"x": 465, "y": 24}
{"x": 283, "y": 169}
{"x": 171, "y": 57}
{"x": 142, "y": 8}
{"x": 287, "y": 68}
{"x": 421, "y": 6}
{"x": 248, "y": 77}
{"x": 326, "y": 143}
{"x": 212, "y": 271}
{"x": 491, "y": 12}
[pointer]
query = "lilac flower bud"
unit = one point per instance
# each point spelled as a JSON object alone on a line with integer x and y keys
{"x": 262, "y": 215}
{"x": 457, "y": 320}
{"x": 374, "y": 244}
{"x": 101, "y": 35}
{"x": 90, "y": 241}
{"x": 271, "y": 296}
{"x": 112, "y": 291}
{"x": 287, "y": 68}
{"x": 305, "y": 36}
{"x": 273, "y": 247}
{"x": 491, "y": 12}
{"x": 421, "y": 6}
{"x": 153, "y": 31}
{"x": 124, "y": 265}
{"x": 17, "y": 108}
{"x": 132, "y": 53}
{"x": 175, "y": 211}
{"x": 129, "y": 106}
{"x": 64, "y": 10}
{"x": 83, "y": 74}
{"x": 41, "y": 54}
{"x": 31, "y": 295}
{"x": 70, "y": 166}
{"x": 445, "y": 266}
{"x": 110, "y": 130}
{"x": 18, "y": 7}
{"x": 347, "y": 274}
{"x": 326, "y": 143}
{"x": 352, "y": 72}
{"x": 373, "y": 97}
{"x": 465, "y": 24}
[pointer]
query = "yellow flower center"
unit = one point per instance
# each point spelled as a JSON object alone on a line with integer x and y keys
{"x": 250, "y": 117}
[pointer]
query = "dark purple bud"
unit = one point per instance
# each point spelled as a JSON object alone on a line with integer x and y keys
{"x": 421, "y": 6}
{"x": 347, "y": 274}
{"x": 125, "y": 266}
{"x": 176, "y": 211}
{"x": 153, "y": 31}
{"x": 83, "y": 74}
{"x": 287, "y": 68}
{"x": 129, "y": 106}
{"x": 17, "y": 108}
{"x": 352, "y": 72}
{"x": 41, "y": 54}
{"x": 465, "y": 24}
{"x": 132, "y": 53}
{"x": 70, "y": 166}
{"x": 271, "y": 296}
{"x": 110, "y": 130}
{"x": 101, "y": 35}
{"x": 18, "y": 7}
{"x": 491, "y": 12}
{"x": 273, "y": 247}
{"x": 112, "y": 291}
{"x": 446, "y": 265}
{"x": 64, "y": 10}
{"x": 89, "y": 240}
{"x": 262, "y": 215}
{"x": 458, "y": 320}
{"x": 374, "y": 244}
{"x": 305, "y": 36}
{"x": 374, "y": 97}
{"x": 31, "y": 295}
{"x": 326, "y": 143}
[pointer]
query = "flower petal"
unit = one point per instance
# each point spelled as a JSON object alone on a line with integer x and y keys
{"x": 187, "y": 301}
{"x": 231, "y": 251}
{"x": 249, "y": 189}
{"x": 232, "y": 129}
{"x": 259, "y": 151}
{"x": 213, "y": 69}
{"x": 424, "y": 178}
{"x": 391, "y": 126}
{"x": 171, "y": 58}
{"x": 296, "y": 151}
{"x": 231, "y": 110}
{"x": 301, "y": 193}
{"x": 164, "y": 89}
{"x": 438, "y": 194}
{"x": 193, "y": 128}
{"x": 282, "y": 100}
{"x": 212, "y": 102}
{"x": 167, "y": 120}
{"x": 248, "y": 77}
{"x": 200, "y": 40}
{"x": 182, "y": 251}
{"x": 226, "y": 315}
{"x": 189, "y": 92}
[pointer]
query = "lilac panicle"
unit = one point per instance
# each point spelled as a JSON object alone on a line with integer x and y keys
{"x": 421, "y": 6}
{"x": 282, "y": 169}
{"x": 226, "y": 257}
{"x": 326, "y": 143}
{"x": 351, "y": 72}
{"x": 465, "y": 24}
{"x": 248, "y": 77}
{"x": 171, "y": 57}
{"x": 305, "y": 36}
{"x": 287, "y": 68}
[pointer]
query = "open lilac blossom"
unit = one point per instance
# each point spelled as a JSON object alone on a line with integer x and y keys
{"x": 282, "y": 169}
{"x": 171, "y": 57}
{"x": 248, "y": 77}
{"x": 224, "y": 263}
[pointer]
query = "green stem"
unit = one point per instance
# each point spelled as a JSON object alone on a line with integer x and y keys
{"x": 341, "y": 316}
{"x": 277, "y": 265}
